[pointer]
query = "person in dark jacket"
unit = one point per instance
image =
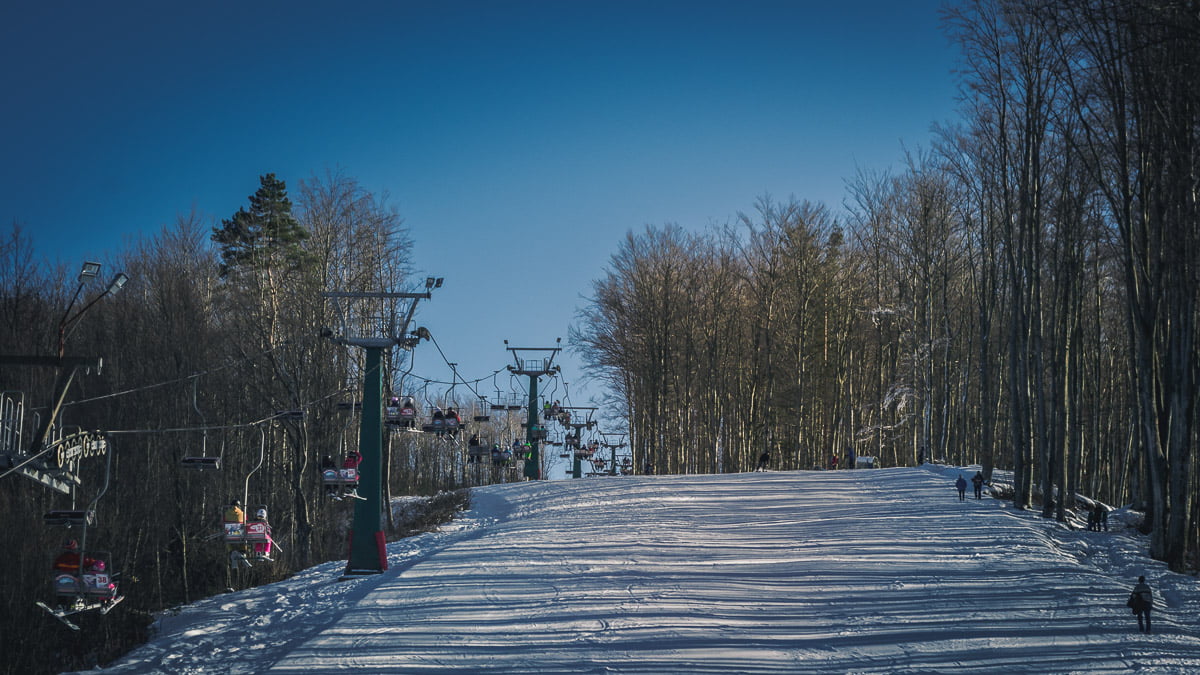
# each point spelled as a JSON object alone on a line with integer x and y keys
{"x": 961, "y": 484}
{"x": 763, "y": 459}
{"x": 977, "y": 481}
{"x": 1141, "y": 601}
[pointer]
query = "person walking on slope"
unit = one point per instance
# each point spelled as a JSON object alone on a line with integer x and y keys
{"x": 977, "y": 480}
{"x": 961, "y": 484}
{"x": 1141, "y": 601}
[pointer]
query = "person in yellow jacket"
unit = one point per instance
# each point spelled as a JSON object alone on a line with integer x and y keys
{"x": 237, "y": 550}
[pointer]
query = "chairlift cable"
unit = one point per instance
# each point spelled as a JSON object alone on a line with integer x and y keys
{"x": 165, "y": 383}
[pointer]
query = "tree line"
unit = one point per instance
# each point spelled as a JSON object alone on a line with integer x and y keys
{"x": 214, "y": 347}
{"x": 1023, "y": 294}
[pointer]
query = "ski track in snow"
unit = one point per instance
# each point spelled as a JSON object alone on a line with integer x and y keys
{"x": 866, "y": 571}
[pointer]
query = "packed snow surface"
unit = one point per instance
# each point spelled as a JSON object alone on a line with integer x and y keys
{"x": 866, "y": 571}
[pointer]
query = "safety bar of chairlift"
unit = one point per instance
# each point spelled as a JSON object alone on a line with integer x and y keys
{"x": 70, "y": 517}
{"x": 201, "y": 463}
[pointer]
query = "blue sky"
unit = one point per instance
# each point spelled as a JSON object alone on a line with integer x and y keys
{"x": 520, "y": 141}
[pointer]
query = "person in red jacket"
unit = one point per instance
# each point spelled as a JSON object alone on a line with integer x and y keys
{"x": 68, "y": 561}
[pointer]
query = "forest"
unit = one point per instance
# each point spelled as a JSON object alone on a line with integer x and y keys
{"x": 1022, "y": 295}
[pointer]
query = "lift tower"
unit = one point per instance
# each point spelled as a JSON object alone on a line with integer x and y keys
{"x": 614, "y": 446}
{"x": 534, "y": 368}
{"x": 589, "y": 423}
{"x": 377, "y": 325}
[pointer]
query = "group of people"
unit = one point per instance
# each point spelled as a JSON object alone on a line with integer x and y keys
{"x": 349, "y": 469}
{"x": 555, "y": 411}
{"x": 88, "y": 574}
{"x": 237, "y": 549}
{"x": 961, "y": 485}
{"x": 1098, "y": 518}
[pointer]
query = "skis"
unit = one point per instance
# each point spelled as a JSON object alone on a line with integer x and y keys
{"x": 352, "y": 495}
{"x": 58, "y": 614}
{"x": 61, "y": 613}
{"x": 113, "y": 603}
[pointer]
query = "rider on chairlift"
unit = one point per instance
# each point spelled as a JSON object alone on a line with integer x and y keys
{"x": 73, "y": 581}
{"x": 68, "y": 560}
{"x": 235, "y": 532}
{"x": 408, "y": 412}
{"x": 327, "y": 464}
{"x": 262, "y": 549}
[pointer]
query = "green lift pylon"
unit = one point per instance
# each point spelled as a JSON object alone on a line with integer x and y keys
{"x": 576, "y": 461}
{"x": 368, "y": 545}
{"x": 534, "y": 368}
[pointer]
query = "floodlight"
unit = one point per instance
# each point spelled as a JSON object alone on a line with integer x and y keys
{"x": 117, "y": 283}
{"x": 438, "y": 283}
{"x": 90, "y": 271}
{"x": 429, "y": 282}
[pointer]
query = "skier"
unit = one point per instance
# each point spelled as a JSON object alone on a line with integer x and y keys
{"x": 68, "y": 561}
{"x": 327, "y": 464}
{"x": 353, "y": 459}
{"x": 102, "y": 581}
{"x": 235, "y": 517}
{"x": 496, "y": 454}
{"x": 234, "y": 513}
{"x": 961, "y": 484}
{"x": 977, "y": 480}
{"x": 763, "y": 459}
{"x": 262, "y": 549}
{"x": 1141, "y": 601}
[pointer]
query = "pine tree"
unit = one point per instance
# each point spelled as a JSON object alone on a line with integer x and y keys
{"x": 265, "y": 235}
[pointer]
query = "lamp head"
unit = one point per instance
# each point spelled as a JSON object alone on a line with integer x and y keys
{"x": 117, "y": 283}
{"x": 90, "y": 270}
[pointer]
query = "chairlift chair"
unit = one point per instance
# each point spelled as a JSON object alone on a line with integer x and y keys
{"x": 201, "y": 463}
{"x": 86, "y": 589}
{"x": 71, "y": 517}
{"x": 481, "y": 414}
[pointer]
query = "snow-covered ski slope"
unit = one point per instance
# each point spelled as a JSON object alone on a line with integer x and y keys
{"x": 881, "y": 571}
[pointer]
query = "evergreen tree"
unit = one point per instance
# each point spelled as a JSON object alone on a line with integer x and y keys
{"x": 265, "y": 235}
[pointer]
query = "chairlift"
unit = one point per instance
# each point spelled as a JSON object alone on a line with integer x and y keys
{"x": 71, "y": 517}
{"x": 341, "y": 482}
{"x": 82, "y": 581}
{"x": 477, "y": 450}
{"x": 242, "y": 535}
{"x": 84, "y": 586}
{"x": 203, "y": 462}
{"x": 481, "y": 414}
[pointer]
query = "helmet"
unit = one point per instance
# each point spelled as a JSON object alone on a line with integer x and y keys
{"x": 70, "y": 544}
{"x": 98, "y": 566}
{"x": 236, "y": 502}
{"x": 261, "y": 514}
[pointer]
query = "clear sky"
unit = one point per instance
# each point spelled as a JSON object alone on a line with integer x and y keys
{"x": 520, "y": 141}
